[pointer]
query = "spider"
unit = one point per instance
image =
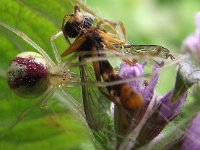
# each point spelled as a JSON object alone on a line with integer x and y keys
{"x": 34, "y": 74}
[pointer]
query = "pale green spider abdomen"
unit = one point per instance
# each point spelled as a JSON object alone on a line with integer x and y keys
{"x": 28, "y": 75}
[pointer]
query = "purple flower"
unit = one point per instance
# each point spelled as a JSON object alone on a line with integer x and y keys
{"x": 156, "y": 116}
{"x": 127, "y": 71}
{"x": 192, "y": 43}
{"x": 169, "y": 110}
{"x": 165, "y": 111}
{"x": 135, "y": 71}
{"x": 190, "y": 139}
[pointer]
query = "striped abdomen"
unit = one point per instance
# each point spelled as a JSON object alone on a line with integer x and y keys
{"x": 122, "y": 93}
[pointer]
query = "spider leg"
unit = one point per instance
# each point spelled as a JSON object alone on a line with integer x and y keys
{"x": 29, "y": 41}
{"x": 45, "y": 97}
{"x": 53, "y": 44}
{"x": 121, "y": 25}
{"x": 73, "y": 105}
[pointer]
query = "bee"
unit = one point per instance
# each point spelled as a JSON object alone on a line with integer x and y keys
{"x": 90, "y": 43}
{"x": 93, "y": 42}
{"x": 91, "y": 37}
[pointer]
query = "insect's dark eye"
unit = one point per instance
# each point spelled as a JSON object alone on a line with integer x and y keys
{"x": 72, "y": 29}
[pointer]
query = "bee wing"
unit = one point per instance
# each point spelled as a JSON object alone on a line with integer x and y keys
{"x": 96, "y": 104}
{"x": 155, "y": 52}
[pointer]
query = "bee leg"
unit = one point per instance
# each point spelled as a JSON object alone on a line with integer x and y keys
{"x": 75, "y": 45}
{"x": 109, "y": 38}
{"x": 160, "y": 64}
{"x": 170, "y": 56}
{"x": 97, "y": 70}
{"x": 84, "y": 7}
{"x": 53, "y": 44}
{"x": 87, "y": 9}
{"x": 121, "y": 25}
{"x": 111, "y": 47}
{"x": 101, "y": 20}
{"x": 111, "y": 25}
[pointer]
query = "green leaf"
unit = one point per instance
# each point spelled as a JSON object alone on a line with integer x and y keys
{"x": 54, "y": 128}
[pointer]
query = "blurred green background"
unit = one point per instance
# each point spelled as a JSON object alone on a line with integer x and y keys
{"x": 161, "y": 22}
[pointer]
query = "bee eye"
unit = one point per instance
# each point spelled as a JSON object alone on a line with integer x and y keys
{"x": 72, "y": 29}
{"x": 28, "y": 75}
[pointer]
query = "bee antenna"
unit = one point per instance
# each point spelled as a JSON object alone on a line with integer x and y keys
{"x": 76, "y": 9}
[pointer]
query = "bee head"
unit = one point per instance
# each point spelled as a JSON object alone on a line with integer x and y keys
{"x": 76, "y": 22}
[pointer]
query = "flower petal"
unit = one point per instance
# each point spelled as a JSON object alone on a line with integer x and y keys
{"x": 127, "y": 71}
{"x": 148, "y": 91}
{"x": 191, "y": 138}
{"x": 197, "y": 19}
{"x": 165, "y": 112}
{"x": 169, "y": 110}
{"x": 192, "y": 43}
